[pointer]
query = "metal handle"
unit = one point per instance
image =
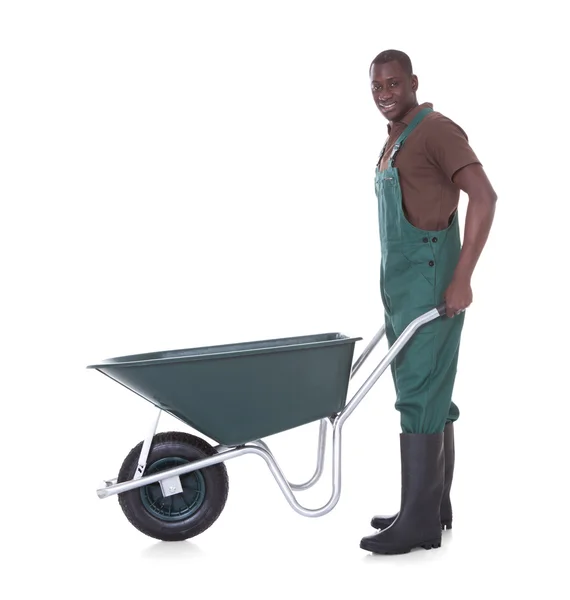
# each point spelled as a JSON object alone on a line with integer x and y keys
{"x": 366, "y": 353}
{"x": 402, "y": 340}
{"x": 441, "y": 311}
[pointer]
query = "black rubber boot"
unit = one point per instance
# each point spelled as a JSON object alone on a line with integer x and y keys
{"x": 381, "y": 522}
{"x": 418, "y": 522}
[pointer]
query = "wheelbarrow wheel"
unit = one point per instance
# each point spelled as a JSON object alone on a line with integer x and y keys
{"x": 183, "y": 515}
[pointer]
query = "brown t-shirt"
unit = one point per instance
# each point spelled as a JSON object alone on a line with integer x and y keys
{"x": 426, "y": 163}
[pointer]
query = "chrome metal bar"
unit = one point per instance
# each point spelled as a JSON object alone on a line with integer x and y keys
{"x": 286, "y": 489}
{"x": 146, "y": 447}
{"x": 222, "y": 448}
{"x": 366, "y": 353}
{"x": 320, "y": 459}
{"x": 227, "y": 455}
{"x": 133, "y": 484}
{"x": 385, "y": 362}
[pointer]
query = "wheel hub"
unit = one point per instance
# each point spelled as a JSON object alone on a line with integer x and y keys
{"x": 180, "y": 505}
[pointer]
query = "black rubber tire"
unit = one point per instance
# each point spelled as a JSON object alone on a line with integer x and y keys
{"x": 185, "y": 446}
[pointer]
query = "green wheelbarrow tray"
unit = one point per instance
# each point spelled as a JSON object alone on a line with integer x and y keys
{"x": 237, "y": 394}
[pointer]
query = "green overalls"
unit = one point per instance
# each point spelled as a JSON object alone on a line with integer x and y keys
{"x": 416, "y": 268}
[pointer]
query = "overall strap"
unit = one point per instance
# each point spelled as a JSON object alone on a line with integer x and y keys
{"x": 403, "y": 136}
{"x": 415, "y": 122}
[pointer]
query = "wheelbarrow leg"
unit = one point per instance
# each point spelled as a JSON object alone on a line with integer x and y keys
{"x": 320, "y": 458}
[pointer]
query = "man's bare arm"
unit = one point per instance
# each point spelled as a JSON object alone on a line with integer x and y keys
{"x": 473, "y": 180}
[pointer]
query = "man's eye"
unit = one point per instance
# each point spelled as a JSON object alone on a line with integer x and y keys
{"x": 394, "y": 83}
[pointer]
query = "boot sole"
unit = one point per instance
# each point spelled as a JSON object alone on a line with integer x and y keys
{"x": 402, "y": 549}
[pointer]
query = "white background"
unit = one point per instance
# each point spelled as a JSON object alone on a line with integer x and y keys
{"x": 177, "y": 174}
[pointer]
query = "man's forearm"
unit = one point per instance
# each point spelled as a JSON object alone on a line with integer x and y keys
{"x": 478, "y": 221}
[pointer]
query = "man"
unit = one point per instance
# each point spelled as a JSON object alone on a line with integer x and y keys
{"x": 425, "y": 163}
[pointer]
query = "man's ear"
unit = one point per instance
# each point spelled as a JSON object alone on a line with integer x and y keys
{"x": 415, "y": 83}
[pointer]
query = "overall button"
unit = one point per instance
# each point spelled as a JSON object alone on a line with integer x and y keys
{"x": 434, "y": 239}
{"x": 431, "y": 263}
{"x": 425, "y": 240}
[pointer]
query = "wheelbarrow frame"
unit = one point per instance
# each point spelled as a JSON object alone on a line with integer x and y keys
{"x": 169, "y": 479}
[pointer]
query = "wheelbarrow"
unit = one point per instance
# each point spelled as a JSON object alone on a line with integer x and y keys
{"x": 173, "y": 486}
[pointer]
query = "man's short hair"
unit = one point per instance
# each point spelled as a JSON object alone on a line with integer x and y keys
{"x": 390, "y": 55}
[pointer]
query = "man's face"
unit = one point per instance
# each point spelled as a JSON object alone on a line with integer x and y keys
{"x": 394, "y": 91}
